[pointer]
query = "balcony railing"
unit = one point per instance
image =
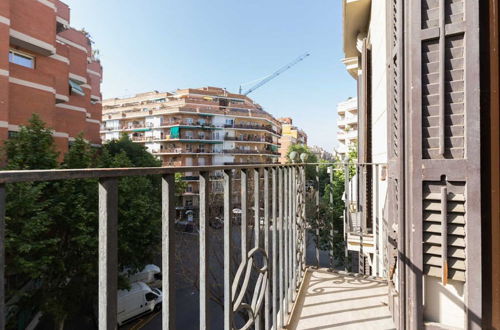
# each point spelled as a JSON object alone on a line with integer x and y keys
{"x": 250, "y": 152}
{"x": 278, "y": 270}
{"x": 248, "y": 139}
{"x": 250, "y": 127}
{"x": 263, "y": 266}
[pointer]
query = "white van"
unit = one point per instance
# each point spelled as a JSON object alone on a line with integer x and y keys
{"x": 140, "y": 299}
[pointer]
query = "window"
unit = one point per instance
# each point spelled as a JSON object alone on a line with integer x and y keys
{"x": 229, "y": 122}
{"x": 74, "y": 88}
{"x": 12, "y": 134}
{"x": 189, "y": 121}
{"x": 21, "y": 59}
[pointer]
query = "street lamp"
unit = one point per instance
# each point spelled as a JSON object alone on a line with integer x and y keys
{"x": 303, "y": 157}
{"x": 293, "y": 156}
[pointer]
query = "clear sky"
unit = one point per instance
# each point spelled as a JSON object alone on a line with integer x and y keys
{"x": 164, "y": 45}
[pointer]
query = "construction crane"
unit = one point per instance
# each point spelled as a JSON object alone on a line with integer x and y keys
{"x": 275, "y": 74}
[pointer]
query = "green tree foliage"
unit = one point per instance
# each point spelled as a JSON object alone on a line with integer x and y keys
{"x": 51, "y": 234}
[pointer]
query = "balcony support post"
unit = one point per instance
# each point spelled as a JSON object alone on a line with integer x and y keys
{"x": 108, "y": 252}
{"x": 168, "y": 250}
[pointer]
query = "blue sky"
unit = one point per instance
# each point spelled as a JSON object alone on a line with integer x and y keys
{"x": 164, "y": 45}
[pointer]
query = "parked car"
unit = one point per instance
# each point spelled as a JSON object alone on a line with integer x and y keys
{"x": 140, "y": 299}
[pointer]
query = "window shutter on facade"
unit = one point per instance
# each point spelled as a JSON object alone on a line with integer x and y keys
{"x": 443, "y": 161}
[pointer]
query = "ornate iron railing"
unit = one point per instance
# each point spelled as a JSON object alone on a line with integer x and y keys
{"x": 277, "y": 256}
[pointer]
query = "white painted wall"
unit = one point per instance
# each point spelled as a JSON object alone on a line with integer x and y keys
{"x": 378, "y": 42}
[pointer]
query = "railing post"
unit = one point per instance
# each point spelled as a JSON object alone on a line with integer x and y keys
{"x": 2, "y": 257}
{"x": 108, "y": 253}
{"x": 290, "y": 238}
{"x": 274, "y": 269}
{"x": 293, "y": 222}
{"x": 361, "y": 206}
{"x": 280, "y": 248}
{"x": 168, "y": 250}
{"x": 303, "y": 215}
{"x": 332, "y": 219}
{"x": 244, "y": 214}
{"x": 204, "y": 245}
{"x": 377, "y": 228}
{"x": 286, "y": 191}
{"x": 346, "y": 213}
{"x": 317, "y": 216}
{"x": 256, "y": 226}
{"x": 267, "y": 307}
{"x": 228, "y": 251}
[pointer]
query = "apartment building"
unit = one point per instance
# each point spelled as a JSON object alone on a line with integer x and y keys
{"x": 195, "y": 127}
{"x": 48, "y": 68}
{"x": 290, "y": 135}
{"x": 321, "y": 153}
{"x": 189, "y": 127}
{"x": 427, "y": 74}
{"x": 347, "y": 125}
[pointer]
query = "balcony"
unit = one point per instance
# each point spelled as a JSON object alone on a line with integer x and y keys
{"x": 250, "y": 152}
{"x": 267, "y": 128}
{"x": 249, "y": 139}
{"x": 266, "y": 276}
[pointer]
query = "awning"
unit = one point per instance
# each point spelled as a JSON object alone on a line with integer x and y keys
{"x": 174, "y": 132}
{"x": 141, "y": 130}
{"x": 75, "y": 88}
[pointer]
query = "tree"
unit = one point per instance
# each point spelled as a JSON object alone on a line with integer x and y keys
{"x": 51, "y": 236}
{"x": 311, "y": 158}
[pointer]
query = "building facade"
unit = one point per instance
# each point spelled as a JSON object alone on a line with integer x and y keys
{"x": 195, "y": 127}
{"x": 347, "y": 125}
{"x": 290, "y": 135}
{"x": 47, "y": 68}
{"x": 427, "y": 75}
{"x": 190, "y": 127}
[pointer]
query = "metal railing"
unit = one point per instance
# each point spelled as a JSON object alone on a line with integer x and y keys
{"x": 277, "y": 256}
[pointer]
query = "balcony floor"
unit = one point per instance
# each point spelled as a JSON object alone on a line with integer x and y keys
{"x": 341, "y": 301}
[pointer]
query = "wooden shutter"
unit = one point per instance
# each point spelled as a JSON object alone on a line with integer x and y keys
{"x": 394, "y": 249}
{"x": 443, "y": 151}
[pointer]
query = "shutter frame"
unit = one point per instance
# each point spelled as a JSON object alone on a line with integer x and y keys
{"x": 443, "y": 134}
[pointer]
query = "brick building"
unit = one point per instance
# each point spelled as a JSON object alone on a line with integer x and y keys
{"x": 48, "y": 68}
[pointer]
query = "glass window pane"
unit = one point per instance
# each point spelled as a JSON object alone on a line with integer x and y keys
{"x": 21, "y": 60}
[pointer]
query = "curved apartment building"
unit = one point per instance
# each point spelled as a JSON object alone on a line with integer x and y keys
{"x": 189, "y": 127}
